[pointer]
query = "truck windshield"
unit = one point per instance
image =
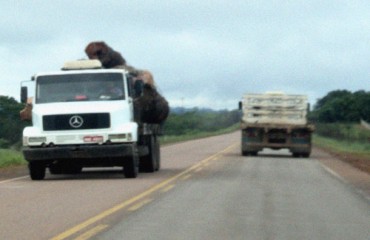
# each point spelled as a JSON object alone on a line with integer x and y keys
{"x": 80, "y": 87}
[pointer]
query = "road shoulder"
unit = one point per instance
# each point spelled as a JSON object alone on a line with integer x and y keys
{"x": 359, "y": 179}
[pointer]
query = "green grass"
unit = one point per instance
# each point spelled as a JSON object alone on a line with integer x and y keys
{"x": 351, "y": 147}
{"x": 343, "y": 139}
{"x": 11, "y": 158}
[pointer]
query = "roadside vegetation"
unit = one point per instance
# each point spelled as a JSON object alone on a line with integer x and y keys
{"x": 168, "y": 139}
{"x": 187, "y": 124}
{"x": 337, "y": 119}
{"x": 344, "y": 138}
{"x": 9, "y": 157}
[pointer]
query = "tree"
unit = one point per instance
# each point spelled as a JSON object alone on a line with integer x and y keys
{"x": 11, "y": 126}
{"x": 342, "y": 106}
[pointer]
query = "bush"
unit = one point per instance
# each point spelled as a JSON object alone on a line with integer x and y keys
{"x": 4, "y": 143}
{"x": 343, "y": 132}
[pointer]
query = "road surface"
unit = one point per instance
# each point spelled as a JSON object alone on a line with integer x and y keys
{"x": 205, "y": 190}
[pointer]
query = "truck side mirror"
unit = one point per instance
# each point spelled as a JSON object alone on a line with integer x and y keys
{"x": 240, "y": 105}
{"x": 24, "y": 94}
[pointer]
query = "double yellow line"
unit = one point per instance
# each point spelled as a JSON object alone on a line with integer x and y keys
{"x": 163, "y": 185}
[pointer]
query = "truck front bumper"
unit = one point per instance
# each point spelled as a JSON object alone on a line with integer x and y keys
{"x": 78, "y": 152}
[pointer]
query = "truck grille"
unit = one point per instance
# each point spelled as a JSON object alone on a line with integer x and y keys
{"x": 76, "y": 121}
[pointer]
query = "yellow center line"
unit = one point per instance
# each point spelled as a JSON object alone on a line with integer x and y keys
{"x": 138, "y": 197}
{"x": 168, "y": 188}
{"x": 91, "y": 232}
{"x": 140, "y": 204}
{"x": 186, "y": 177}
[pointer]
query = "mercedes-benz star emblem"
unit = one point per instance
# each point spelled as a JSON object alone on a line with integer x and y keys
{"x": 76, "y": 121}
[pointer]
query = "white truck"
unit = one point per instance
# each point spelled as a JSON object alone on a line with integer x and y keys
{"x": 84, "y": 116}
{"x": 275, "y": 120}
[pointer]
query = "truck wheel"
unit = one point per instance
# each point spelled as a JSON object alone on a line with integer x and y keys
{"x": 305, "y": 155}
{"x": 37, "y": 170}
{"x": 131, "y": 166}
{"x": 148, "y": 163}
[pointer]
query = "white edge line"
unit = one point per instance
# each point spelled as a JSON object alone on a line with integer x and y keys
{"x": 13, "y": 179}
{"x": 335, "y": 174}
{"x": 332, "y": 172}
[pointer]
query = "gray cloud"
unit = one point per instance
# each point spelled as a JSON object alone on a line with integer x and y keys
{"x": 202, "y": 53}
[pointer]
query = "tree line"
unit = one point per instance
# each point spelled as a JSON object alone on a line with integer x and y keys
{"x": 342, "y": 106}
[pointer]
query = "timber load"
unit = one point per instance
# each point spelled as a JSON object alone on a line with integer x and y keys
{"x": 151, "y": 107}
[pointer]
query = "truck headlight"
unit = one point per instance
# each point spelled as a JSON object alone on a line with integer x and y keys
{"x": 37, "y": 139}
{"x": 33, "y": 140}
{"x": 120, "y": 137}
{"x": 113, "y": 137}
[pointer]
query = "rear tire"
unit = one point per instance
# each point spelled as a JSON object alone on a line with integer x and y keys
{"x": 37, "y": 170}
{"x": 158, "y": 154}
{"x": 149, "y": 163}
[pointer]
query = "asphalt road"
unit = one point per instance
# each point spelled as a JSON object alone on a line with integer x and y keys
{"x": 205, "y": 190}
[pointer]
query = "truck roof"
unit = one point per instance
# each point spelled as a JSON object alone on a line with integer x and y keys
{"x": 79, "y": 72}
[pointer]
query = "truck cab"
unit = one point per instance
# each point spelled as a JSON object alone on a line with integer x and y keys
{"x": 83, "y": 116}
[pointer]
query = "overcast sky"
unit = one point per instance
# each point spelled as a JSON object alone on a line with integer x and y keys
{"x": 201, "y": 53}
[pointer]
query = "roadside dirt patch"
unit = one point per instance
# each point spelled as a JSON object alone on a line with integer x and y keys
{"x": 356, "y": 160}
{"x": 13, "y": 172}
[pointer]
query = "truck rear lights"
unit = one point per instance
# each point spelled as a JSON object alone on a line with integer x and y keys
{"x": 300, "y": 135}
{"x": 252, "y": 133}
{"x": 93, "y": 139}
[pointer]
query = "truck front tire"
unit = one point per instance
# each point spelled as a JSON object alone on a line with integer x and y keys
{"x": 131, "y": 165}
{"x": 37, "y": 170}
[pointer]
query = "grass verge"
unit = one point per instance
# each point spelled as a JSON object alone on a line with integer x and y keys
{"x": 343, "y": 146}
{"x": 355, "y": 153}
{"x": 10, "y": 157}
